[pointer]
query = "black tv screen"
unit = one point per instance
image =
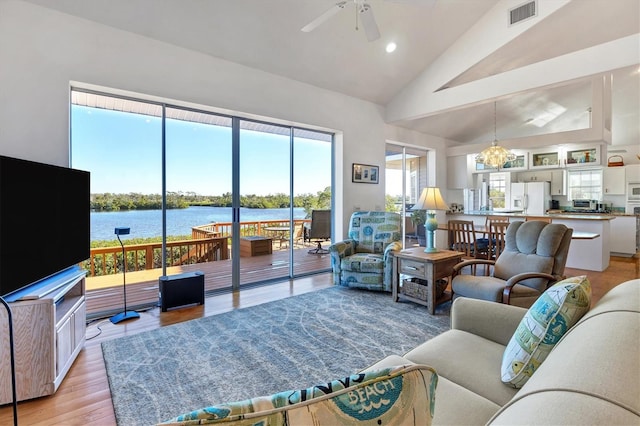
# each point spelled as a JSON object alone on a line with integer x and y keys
{"x": 44, "y": 221}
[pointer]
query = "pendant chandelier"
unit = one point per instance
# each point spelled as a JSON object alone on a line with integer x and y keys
{"x": 496, "y": 155}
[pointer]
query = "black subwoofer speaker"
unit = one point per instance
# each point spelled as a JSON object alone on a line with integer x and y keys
{"x": 181, "y": 290}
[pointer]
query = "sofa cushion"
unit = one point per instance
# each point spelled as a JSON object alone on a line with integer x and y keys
{"x": 450, "y": 399}
{"x": 465, "y": 359}
{"x": 456, "y": 405}
{"x": 548, "y": 319}
{"x": 396, "y": 395}
{"x": 561, "y": 407}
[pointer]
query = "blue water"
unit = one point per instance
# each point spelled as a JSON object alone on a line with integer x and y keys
{"x": 148, "y": 223}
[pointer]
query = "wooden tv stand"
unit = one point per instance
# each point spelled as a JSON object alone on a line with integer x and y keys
{"x": 49, "y": 325}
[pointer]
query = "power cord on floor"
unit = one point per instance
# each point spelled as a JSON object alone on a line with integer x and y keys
{"x": 105, "y": 319}
{"x": 99, "y": 330}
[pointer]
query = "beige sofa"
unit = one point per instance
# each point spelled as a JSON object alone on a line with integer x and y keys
{"x": 592, "y": 376}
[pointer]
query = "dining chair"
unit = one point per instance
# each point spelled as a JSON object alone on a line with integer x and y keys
{"x": 496, "y": 218}
{"x": 462, "y": 236}
{"x": 496, "y": 240}
{"x": 485, "y": 239}
{"x": 539, "y": 218}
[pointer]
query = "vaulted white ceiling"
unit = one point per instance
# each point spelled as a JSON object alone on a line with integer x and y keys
{"x": 454, "y": 43}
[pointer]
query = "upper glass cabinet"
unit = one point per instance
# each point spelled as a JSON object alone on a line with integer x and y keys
{"x": 545, "y": 159}
{"x": 520, "y": 163}
{"x": 583, "y": 156}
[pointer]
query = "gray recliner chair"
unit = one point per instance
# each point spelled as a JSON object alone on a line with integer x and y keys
{"x": 534, "y": 258}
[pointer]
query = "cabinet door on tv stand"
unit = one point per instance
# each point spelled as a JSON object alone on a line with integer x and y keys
{"x": 33, "y": 337}
{"x": 47, "y": 339}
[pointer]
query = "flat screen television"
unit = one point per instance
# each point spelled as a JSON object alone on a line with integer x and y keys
{"x": 44, "y": 221}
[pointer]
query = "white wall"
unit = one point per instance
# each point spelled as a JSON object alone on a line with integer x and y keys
{"x": 42, "y": 51}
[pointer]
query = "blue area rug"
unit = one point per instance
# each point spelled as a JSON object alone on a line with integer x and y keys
{"x": 285, "y": 344}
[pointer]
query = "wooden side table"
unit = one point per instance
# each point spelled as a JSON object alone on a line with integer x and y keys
{"x": 415, "y": 263}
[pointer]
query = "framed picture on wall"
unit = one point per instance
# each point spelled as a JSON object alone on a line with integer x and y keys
{"x": 365, "y": 173}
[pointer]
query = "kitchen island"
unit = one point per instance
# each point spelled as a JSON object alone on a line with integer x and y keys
{"x": 591, "y": 254}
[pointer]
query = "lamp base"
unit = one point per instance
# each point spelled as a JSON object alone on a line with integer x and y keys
{"x": 430, "y": 226}
{"x": 124, "y": 316}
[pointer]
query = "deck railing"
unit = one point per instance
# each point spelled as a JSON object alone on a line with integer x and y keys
{"x": 208, "y": 243}
{"x": 223, "y": 229}
{"x": 108, "y": 260}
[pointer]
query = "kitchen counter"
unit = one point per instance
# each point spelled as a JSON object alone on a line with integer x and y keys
{"x": 591, "y": 254}
{"x": 519, "y": 215}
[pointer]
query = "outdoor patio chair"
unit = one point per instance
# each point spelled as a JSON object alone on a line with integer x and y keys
{"x": 320, "y": 230}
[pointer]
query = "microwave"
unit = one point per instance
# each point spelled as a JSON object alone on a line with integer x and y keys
{"x": 633, "y": 192}
{"x": 585, "y": 204}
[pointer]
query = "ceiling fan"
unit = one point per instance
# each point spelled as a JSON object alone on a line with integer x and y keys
{"x": 363, "y": 12}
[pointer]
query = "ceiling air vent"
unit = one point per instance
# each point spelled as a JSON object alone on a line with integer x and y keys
{"x": 522, "y": 13}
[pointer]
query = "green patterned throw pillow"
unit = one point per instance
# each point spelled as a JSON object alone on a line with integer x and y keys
{"x": 396, "y": 395}
{"x": 546, "y": 321}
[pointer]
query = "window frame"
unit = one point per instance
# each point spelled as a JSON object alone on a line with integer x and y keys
{"x": 502, "y": 178}
{"x": 589, "y": 184}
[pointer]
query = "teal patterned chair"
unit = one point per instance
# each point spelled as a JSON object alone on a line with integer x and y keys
{"x": 364, "y": 259}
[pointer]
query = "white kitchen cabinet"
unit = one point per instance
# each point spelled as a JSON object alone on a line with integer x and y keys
{"x": 537, "y": 176}
{"x": 613, "y": 180}
{"x": 459, "y": 174}
{"x": 558, "y": 184}
{"x": 623, "y": 235}
{"x": 632, "y": 172}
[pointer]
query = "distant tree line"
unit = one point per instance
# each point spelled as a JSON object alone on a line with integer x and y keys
{"x": 108, "y": 202}
{"x": 181, "y": 200}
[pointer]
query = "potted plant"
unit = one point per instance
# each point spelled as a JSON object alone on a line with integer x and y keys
{"x": 419, "y": 218}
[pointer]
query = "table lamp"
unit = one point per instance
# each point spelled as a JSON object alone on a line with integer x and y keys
{"x": 430, "y": 200}
{"x": 125, "y": 315}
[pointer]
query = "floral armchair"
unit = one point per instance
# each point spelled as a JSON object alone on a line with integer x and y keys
{"x": 364, "y": 259}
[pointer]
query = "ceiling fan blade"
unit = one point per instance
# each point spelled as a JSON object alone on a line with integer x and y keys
{"x": 369, "y": 22}
{"x": 326, "y": 15}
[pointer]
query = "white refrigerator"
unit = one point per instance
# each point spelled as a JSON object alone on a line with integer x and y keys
{"x": 532, "y": 198}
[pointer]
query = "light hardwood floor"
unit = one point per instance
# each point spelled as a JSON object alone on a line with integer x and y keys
{"x": 84, "y": 397}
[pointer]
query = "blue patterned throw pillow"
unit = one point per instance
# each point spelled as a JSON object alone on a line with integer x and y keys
{"x": 546, "y": 321}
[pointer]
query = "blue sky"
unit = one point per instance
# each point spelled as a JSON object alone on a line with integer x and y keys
{"x": 123, "y": 153}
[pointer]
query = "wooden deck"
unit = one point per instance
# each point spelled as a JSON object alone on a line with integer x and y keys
{"x": 105, "y": 296}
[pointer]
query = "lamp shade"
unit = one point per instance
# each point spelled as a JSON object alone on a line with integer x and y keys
{"x": 430, "y": 199}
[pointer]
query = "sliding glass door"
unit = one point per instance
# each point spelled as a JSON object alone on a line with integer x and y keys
{"x": 312, "y": 189}
{"x": 264, "y": 213}
{"x": 200, "y": 191}
{"x": 198, "y": 183}
{"x": 406, "y": 176}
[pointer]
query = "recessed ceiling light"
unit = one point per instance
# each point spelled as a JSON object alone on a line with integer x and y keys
{"x": 391, "y": 47}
